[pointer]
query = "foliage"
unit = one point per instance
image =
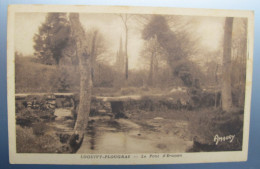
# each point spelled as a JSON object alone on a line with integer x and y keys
{"x": 100, "y": 43}
{"x": 177, "y": 45}
{"x": 37, "y": 111}
{"x": 63, "y": 83}
{"x": 238, "y": 61}
{"x": 26, "y": 117}
{"x": 52, "y": 38}
{"x": 39, "y": 128}
{"x": 28, "y": 142}
{"x": 153, "y": 52}
{"x": 31, "y": 76}
{"x": 104, "y": 75}
{"x": 208, "y": 123}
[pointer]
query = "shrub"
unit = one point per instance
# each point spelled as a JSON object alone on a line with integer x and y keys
{"x": 26, "y": 117}
{"x": 27, "y": 142}
{"x": 39, "y": 128}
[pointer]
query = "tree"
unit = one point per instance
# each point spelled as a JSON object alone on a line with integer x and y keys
{"x": 125, "y": 19}
{"x": 120, "y": 59}
{"x": 52, "y": 38}
{"x": 153, "y": 52}
{"x": 84, "y": 58}
{"x": 226, "y": 66}
{"x": 177, "y": 45}
{"x": 238, "y": 60}
{"x": 93, "y": 53}
{"x": 97, "y": 47}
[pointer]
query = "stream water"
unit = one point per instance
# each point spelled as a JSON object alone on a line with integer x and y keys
{"x": 108, "y": 135}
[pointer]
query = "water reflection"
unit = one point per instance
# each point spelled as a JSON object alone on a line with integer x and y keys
{"x": 124, "y": 136}
{"x": 91, "y": 132}
{"x": 109, "y": 135}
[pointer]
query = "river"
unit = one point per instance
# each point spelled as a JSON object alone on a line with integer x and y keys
{"x": 108, "y": 135}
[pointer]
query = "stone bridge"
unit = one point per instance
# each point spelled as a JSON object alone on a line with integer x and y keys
{"x": 113, "y": 106}
{"x": 99, "y": 105}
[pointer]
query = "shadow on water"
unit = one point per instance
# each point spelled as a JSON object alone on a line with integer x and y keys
{"x": 91, "y": 132}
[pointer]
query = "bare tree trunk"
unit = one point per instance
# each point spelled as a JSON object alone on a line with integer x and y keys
{"x": 126, "y": 55}
{"x": 85, "y": 98}
{"x": 216, "y": 82}
{"x": 226, "y": 83}
{"x": 93, "y": 55}
{"x": 125, "y": 19}
{"x": 155, "y": 71}
{"x": 151, "y": 73}
{"x": 84, "y": 58}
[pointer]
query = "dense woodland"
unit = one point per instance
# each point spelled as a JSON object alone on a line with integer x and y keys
{"x": 70, "y": 58}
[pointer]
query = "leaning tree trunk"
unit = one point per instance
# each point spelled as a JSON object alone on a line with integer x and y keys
{"x": 226, "y": 66}
{"x": 93, "y": 55}
{"x": 84, "y": 59}
{"x": 126, "y": 54}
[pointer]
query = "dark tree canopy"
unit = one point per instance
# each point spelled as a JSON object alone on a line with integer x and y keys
{"x": 52, "y": 38}
{"x": 178, "y": 46}
{"x": 159, "y": 27}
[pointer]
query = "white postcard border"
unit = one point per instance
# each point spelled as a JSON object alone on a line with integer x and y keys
{"x": 175, "y": 158}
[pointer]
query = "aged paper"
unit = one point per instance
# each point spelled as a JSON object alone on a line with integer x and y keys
{"x": 128, "y": 85}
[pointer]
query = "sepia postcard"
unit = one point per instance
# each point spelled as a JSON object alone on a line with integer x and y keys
{"x": 128, "y": 85}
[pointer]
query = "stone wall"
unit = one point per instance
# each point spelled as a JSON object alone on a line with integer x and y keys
{"x": 49, "y": 102}
{"x": 45, "y": 101}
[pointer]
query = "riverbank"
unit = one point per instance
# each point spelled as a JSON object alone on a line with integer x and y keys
{"x": 42, "y": 128}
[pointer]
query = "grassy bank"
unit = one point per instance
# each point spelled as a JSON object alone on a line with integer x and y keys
{"x": 212, "y": 130}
